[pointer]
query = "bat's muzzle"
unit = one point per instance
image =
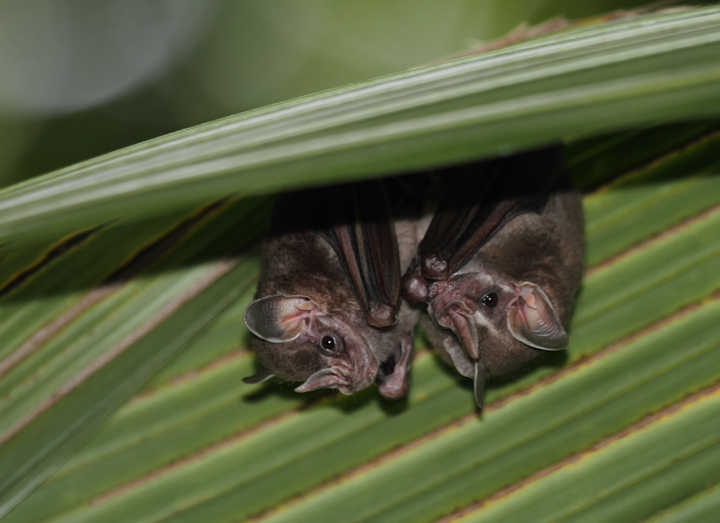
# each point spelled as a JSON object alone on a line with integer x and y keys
{"x": 458, "y": 316}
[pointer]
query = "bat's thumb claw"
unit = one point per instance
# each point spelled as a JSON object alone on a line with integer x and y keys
{"x": 381, "y": 315}
{"x": 414, "y": 288}
{"x": 434, "y": 267}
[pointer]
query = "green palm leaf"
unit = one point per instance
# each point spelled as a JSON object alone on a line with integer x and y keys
{"x": 622, "y": 426}
{"x": 580, "y": 82}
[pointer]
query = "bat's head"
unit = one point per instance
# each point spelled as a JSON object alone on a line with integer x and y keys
{"x": 300, "y": 340}
{"x": 500, "y": 323}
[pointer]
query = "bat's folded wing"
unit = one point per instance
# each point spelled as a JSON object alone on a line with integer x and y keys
{"x": 479, "y": 199}
{"x": 363, "y": 237}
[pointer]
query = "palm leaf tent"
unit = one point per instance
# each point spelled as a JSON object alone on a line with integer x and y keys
{"x": 124, "y": 279}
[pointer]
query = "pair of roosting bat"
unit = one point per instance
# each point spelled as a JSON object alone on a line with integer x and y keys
{"x": 346, "y": 270}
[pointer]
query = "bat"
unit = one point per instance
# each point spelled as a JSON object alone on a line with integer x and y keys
{"x": 327, "y": 311}
{"x": 500, "y": 263}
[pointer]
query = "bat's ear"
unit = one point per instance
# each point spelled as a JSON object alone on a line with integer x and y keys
{"x": 279, "y": 318}
{"x": 532, "y": 320}
{"x": 258, "y": 377}
{"x": 321, "y": 379}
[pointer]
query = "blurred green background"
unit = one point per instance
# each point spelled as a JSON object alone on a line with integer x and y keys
{"x": 81, "y": 78}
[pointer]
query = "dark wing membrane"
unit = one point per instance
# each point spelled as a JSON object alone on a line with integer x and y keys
{"x": 460, "y": 210}
{"x": 479, "y": 200}
{"x": 363, "y": 237}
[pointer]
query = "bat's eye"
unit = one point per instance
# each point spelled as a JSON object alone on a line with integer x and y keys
{"x": 328, "y": 343}
{"x": 490, "y": 299}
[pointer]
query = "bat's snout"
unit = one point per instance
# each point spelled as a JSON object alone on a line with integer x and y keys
{"x": 458, "y": 315}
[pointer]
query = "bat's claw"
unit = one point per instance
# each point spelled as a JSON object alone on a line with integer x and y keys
{"x": 414, "y": 288}
{"x": 434, "y": 267}
{"x": 381, "y": 315}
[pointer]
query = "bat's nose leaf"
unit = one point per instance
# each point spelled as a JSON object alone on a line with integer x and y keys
{"x": 463, "y": 325}
{"x": 278, "y": 318}
{"x": 532, "y": 320}
{"x": 479, "y": 384}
